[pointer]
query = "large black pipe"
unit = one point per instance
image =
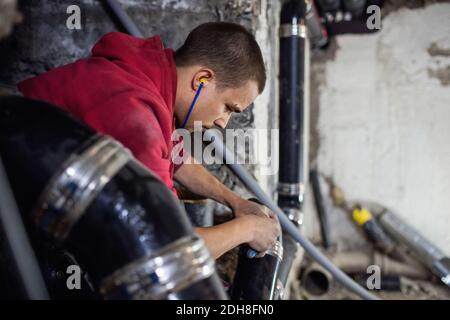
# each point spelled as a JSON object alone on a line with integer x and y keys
{"x": 256, "y": 278}
{"x": 290, "y": 177}
{"x": 84, "y": 193}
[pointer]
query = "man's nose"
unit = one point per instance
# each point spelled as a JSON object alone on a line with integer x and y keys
{"x": 222, "y": 121}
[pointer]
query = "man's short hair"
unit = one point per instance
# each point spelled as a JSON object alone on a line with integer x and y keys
{"x": 226, "y": 48}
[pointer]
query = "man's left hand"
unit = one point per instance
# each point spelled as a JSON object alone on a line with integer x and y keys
{"x": 243, "y": 207}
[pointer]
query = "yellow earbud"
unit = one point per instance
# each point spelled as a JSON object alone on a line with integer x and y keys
{"x": 203, "y": 80}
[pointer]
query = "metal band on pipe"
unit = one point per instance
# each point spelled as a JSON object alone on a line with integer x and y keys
{"x": 72, "y": 189}
{"x": 293, "y": 30}
{"x": 172, "y": 269}
{"x": 276, "y": 250}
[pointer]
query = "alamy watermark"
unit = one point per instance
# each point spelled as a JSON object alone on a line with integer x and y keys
{"x": 74, "y": 279}
{"x": 373, "y": 281}
{"x": 245, "y": 146}
{"x": 374, "y": 20}
{"x": 73, "y": 21}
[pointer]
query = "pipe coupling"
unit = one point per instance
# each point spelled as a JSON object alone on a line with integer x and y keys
{"x": 276, "y": 250}
{"x": 76, "y": 184}
{"x": 293, "y": 30}
{"x": 291, "y": 189}
{"x": 171, "y": 269}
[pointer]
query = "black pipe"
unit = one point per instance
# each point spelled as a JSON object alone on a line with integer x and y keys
{"x": 85, "y": 193}
{"x": 322, "y": 212}
{"x": 290, "y": 177}
{"x": 256, "y": 278}
{"x": 292, "y": 46}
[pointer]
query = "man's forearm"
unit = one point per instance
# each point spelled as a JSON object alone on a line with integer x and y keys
{"x": 198, "y": 180}
{"x": 252, "y": 224}
{"x": 224, "y": 237}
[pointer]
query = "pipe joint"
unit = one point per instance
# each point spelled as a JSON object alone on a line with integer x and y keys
{"x": 172, "y": 269}
{"x": 276, "y": 250}
{"x": 293, "y": 30}
{"x": 72, "y": 189}
{"x": 291, "y": 190}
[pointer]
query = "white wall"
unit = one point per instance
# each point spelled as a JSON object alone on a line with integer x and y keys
{"x": 384, "y": 120}
{"x": 266, "y": 105}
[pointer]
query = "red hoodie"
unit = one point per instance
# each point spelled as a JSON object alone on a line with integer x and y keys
{"x": 126, "y": 89}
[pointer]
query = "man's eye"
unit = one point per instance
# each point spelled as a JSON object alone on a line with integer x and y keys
{"x": 229, "y": 109}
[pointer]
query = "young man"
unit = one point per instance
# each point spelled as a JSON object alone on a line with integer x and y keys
{"x": 136, "y": 91}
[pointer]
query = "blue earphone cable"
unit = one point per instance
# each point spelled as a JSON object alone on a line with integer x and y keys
{"x": 202, "y": 81}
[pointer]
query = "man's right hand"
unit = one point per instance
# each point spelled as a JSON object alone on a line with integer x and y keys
{"x": 259, "y": 232}
{"x": 263, "y": 231}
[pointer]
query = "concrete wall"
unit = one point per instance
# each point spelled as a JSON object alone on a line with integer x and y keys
{"x": 43, "y": 41}
{"x": 382, "y": 130}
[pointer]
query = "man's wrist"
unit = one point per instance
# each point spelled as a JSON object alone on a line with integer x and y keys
{"x": 231, "y": 199}
{"x": 244, "y": 229}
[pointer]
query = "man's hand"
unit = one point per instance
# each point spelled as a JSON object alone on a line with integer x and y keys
{"x": 264, "y": 223}
{"x": 263, "y": 232}
{"x": 244, "y": 207}
{"x": 260, "y": 233}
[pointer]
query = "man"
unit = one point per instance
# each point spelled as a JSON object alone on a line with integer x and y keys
{"x": 136, "y": 91}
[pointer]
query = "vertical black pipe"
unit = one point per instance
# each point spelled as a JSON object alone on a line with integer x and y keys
{"x": 257, "y": 278}
{"x": 290, "y": 177}
{"x": 321, "y": 210}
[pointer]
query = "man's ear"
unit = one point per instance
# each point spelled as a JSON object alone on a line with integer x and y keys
{"x": 205, "y": 74}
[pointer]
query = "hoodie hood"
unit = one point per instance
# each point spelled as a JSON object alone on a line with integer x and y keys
{"x": 146, "y": 56}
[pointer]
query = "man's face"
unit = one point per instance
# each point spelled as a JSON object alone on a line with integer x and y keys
{"x": 215, "y": 106}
